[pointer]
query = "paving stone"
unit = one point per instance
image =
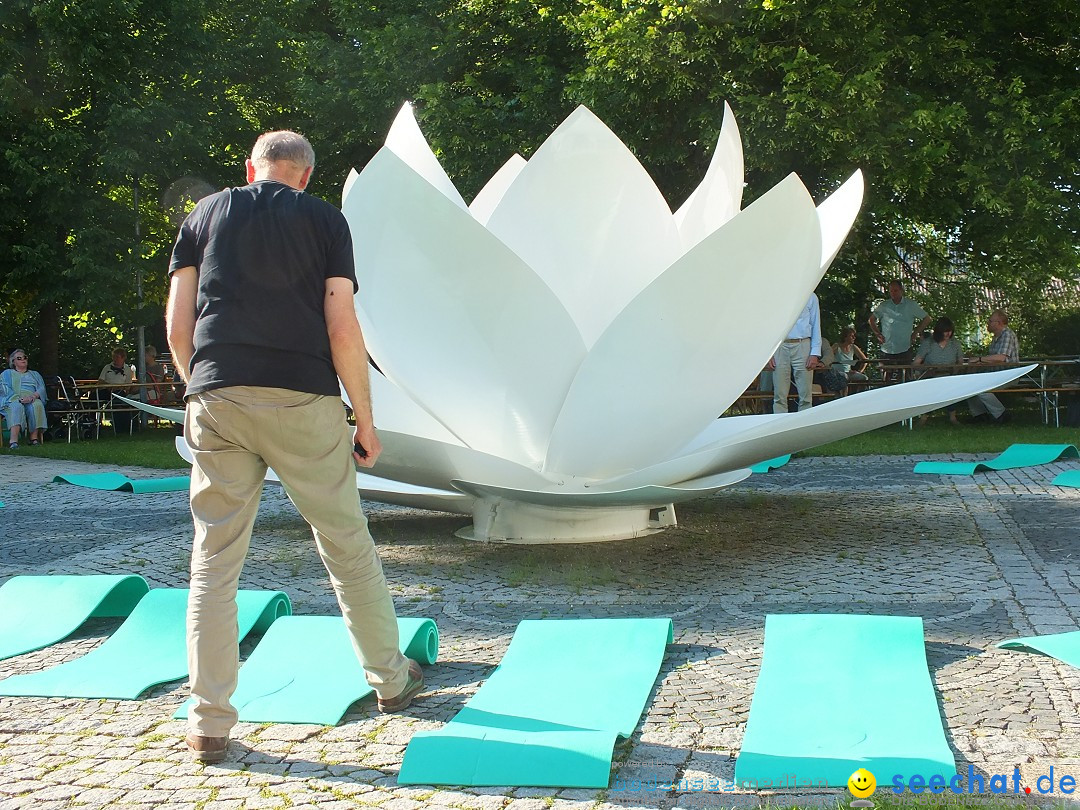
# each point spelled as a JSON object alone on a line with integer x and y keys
{"x": 527, "y": 804}
{"x": 290, "y": 733}
{"x": 980, "y": 560}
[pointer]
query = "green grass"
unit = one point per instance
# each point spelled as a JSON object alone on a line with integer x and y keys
{"x": 941, "y": 437}
{"x": 535, "y": 568}
{"x": 152, "y": 447}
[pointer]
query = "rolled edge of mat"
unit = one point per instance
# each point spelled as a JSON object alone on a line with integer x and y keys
{"x": 770, "y": 464}
{"x": 424, "y": 644}
{"x": 122, "y": 597}
{"x": 104, "y": 481}
{"x": 278, "y": 606}
{"x": 462, "y": 759}
{"x": 1020, "y": 645}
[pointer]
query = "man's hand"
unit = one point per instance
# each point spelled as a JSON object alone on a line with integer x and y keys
{"x": 880, "y": 337}
{"x": 772, "y": 364}
{"x": 813, "y": 361}
{"x": 367, "y": 438}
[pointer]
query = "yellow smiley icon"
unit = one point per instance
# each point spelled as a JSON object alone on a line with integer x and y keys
{"x": 862, "y": 784}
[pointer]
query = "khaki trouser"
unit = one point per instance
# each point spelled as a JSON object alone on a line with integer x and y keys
{"x": 235, "y": 433}
{"x": 791, "y": 357}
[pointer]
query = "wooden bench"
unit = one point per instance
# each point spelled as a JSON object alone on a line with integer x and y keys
{"x": 1038, "y": 383}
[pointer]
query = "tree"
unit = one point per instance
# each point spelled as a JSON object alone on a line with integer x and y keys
{"x": 95, "y": 96}
{"x": 962, "y": 116}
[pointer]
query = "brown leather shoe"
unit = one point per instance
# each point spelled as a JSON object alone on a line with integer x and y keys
{"x": 207, "y": 749}
{"x": 413, "y": 686}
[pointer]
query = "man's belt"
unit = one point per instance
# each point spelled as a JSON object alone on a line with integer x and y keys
{"x": 795, "y": 340}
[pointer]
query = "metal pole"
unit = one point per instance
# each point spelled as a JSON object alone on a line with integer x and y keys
{"x": 141, "y": 362}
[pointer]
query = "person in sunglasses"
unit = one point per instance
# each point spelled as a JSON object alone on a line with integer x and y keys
{"x": 22, "y": 397}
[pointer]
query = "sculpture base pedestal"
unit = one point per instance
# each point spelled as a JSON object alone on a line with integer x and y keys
{"x": 497, "y": 520}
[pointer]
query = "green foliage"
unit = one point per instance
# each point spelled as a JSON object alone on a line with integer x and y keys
{"x": 963, "y": 117}
{"x": 1056, "y": 333}
{"x": 96, "y": 98}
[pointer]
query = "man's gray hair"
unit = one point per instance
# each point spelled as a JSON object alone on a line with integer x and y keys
{"x": 272, "y": 147}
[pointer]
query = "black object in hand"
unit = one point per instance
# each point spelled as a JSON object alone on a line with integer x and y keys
{"x": 359, "y": 450}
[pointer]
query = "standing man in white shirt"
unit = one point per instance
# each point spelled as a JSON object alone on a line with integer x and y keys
{"x": 799, "y": 354}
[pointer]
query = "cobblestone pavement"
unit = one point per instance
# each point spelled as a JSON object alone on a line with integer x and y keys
{"x": 980, "y": 558}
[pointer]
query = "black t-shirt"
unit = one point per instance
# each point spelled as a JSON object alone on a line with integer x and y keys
{"x": 263, "y": 253}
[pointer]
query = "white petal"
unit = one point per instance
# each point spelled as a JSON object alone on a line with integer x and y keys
{"x": 756, "y": 438}
{"x": 684, "y": 349}
{"x": 429, "y": 463}
{"x": 394, "y": 410}
{"x": 586, "y": 216}
{"x": 460, "y": 323}
{"x": 181, "y": 445}
{"x": 170, "y": 414}
{"x": 600, "y": 496}
{"x": 346, "y": 189}
{"x": 381, "y": 489}
{"x": 491, "y": 194}
{"x": 719, "y": 196}
{"x": 407, "y": 142}
{"x": 837, "y": 214}
{"x": 402, "y": 494}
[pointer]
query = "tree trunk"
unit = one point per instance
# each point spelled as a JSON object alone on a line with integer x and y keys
{"x": 49, "y": 339}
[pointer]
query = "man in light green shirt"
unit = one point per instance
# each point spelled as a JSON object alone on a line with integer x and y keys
{"x": 896, "y": 322}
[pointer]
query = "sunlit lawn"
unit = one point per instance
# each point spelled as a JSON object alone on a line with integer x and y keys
{"x": 153, "y": 447}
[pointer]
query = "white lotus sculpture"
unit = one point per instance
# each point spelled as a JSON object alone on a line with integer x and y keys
{"x": 554, "y": 356}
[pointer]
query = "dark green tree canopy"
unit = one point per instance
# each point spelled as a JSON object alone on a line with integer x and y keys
{"x": 963, "y": 117}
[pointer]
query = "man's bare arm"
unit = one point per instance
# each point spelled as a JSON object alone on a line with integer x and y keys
{"x": 874, "y": 328}
{"x": 180, "y": 318}
{"x": 351, "y": 362}
{"x": 918, "y": 330}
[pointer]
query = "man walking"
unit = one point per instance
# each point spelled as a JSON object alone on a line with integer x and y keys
{"x": 799, "y": 355}
{"x": 261, "y": 324}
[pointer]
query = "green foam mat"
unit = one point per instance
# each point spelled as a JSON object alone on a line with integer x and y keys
{"x": 550, "y": 714}
{"x": 147, "y": 649}
{"x": 1016, "y": 455}
{"x": 771, "y": 464}
{"x": 305, "y": 670}
{"x": 839, "y": 693}
{"x": 1062, "y": 646}
{"x": 36, "y": 611}
{"x": 118, "y": 482}
{"x": 1069, "y": 478}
